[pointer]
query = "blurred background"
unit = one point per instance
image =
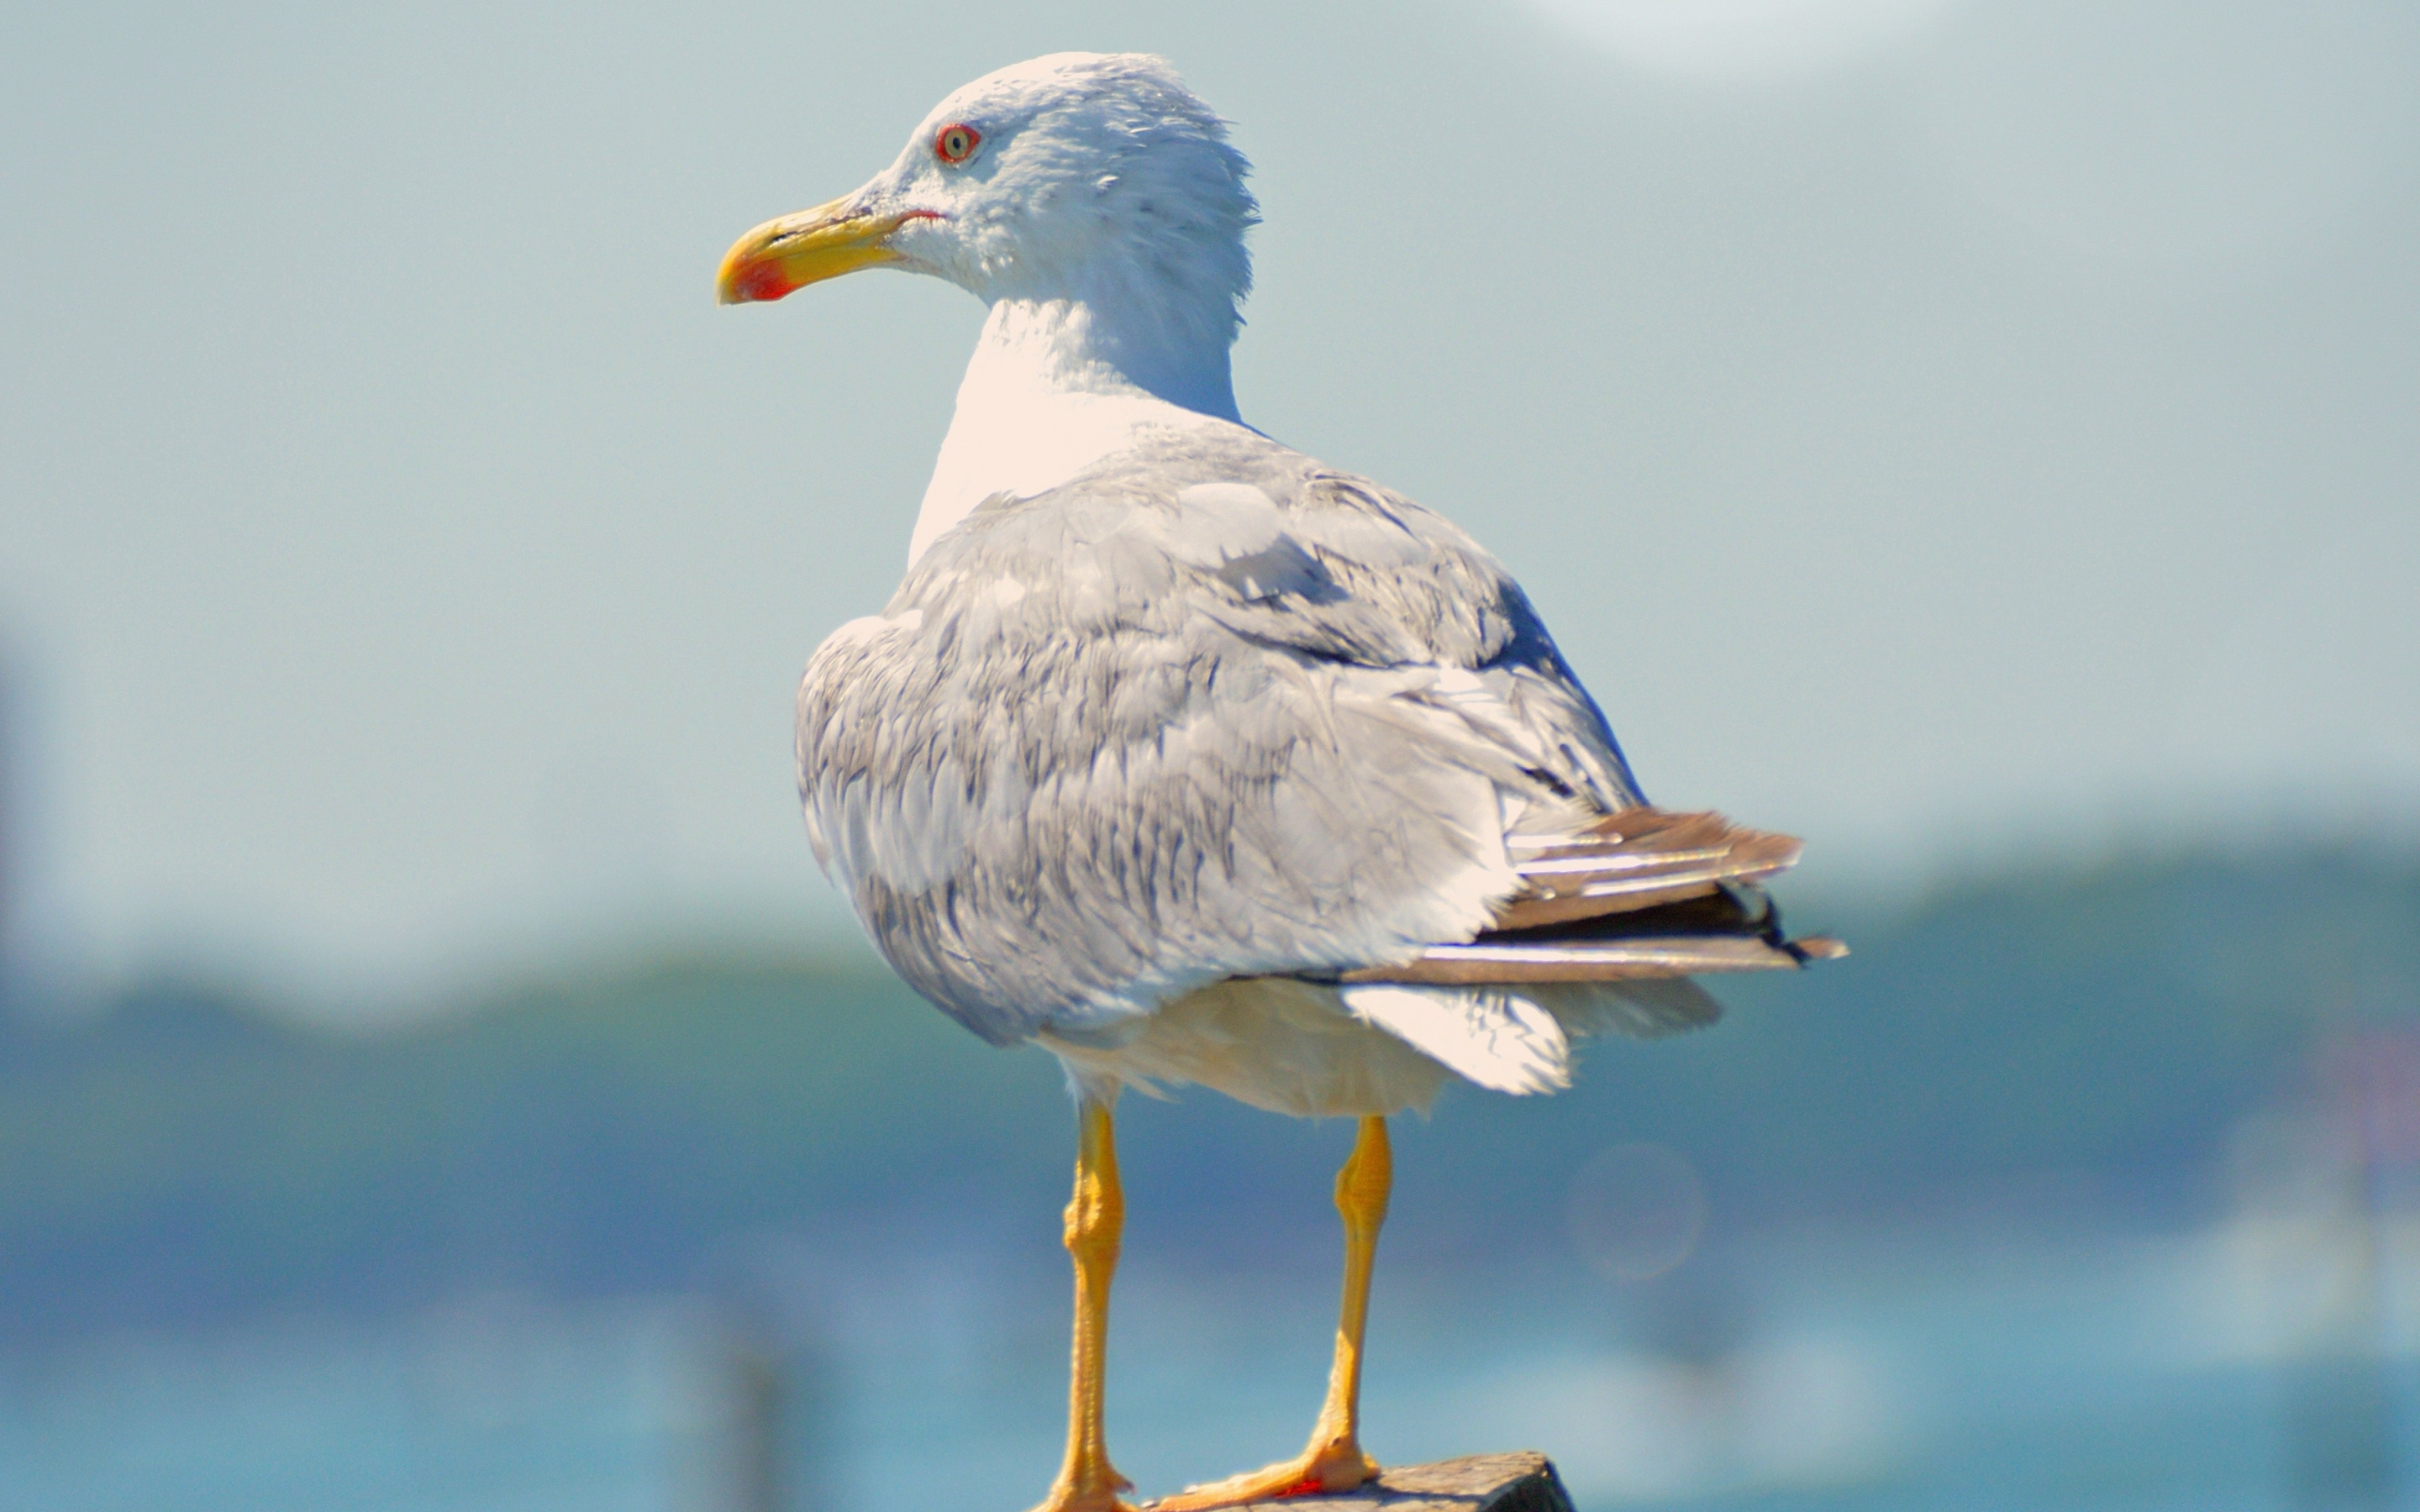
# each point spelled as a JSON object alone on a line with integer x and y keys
{"x": 1979, "y": 436}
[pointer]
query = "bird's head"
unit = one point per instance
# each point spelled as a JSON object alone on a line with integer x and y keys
{"x": 1065, "y": 177}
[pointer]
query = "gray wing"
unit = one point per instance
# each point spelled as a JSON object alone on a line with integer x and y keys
{"x": 1208, "y": 710}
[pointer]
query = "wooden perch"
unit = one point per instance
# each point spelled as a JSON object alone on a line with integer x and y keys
{"x": 1523, "y": 1482}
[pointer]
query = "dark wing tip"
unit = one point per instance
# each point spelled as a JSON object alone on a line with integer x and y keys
{"x": 1637, "y": 859}
{"x": 1705, "y": 924}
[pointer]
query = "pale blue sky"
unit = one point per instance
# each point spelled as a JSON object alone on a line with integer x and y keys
{"x": 1948, "y": 430}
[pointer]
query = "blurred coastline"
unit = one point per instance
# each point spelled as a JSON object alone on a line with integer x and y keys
{"x": 2104, "y": 1175}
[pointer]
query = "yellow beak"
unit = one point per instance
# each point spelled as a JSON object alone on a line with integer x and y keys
{"x": 790, "y": 252}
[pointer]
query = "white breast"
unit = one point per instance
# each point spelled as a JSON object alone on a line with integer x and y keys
{"x": 1023, "y": 444}
{"x": 1046, "y": 396}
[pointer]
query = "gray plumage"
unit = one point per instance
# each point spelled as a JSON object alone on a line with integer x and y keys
{"x": 1190, "y": 759}
{"x": 1208, "y": 710}
{"x": 1177, "y": 752}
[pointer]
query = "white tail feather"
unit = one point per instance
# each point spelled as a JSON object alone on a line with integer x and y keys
{"x": 1487, "y": 1036}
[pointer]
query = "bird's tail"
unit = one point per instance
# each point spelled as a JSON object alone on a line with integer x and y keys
{"x": 1639, "y": 896}
{"x": 1609, "y": 925}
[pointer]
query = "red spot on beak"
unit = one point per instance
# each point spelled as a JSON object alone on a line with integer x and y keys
{"x": 763, "y": 280}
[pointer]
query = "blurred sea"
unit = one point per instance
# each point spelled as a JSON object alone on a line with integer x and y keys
{"x": 1873, "y": 1369}
{"x": 2090, "y": 1189}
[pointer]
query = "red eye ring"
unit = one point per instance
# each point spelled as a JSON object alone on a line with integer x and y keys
{"x": 955, "y": 143}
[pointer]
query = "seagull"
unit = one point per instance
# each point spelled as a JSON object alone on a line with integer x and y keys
{"x": 1194, "y": 760}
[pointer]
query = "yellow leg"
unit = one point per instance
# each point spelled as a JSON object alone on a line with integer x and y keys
{"x": 1333, "y": 1461}
{"x": 1096, "y": 1217}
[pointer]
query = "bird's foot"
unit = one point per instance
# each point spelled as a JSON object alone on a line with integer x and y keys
{"x": 1094, "y": 1493}
{"x": 1338, "y": 1465}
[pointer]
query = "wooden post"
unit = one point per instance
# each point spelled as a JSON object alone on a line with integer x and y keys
{"x": 1523, "y": 1482}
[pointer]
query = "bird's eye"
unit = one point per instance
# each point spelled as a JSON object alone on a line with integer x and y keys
{"x": 956, "y": 143}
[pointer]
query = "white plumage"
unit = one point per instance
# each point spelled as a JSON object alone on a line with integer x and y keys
{"x": 1187, "y": 757}
{"x": 1164, "y": 707}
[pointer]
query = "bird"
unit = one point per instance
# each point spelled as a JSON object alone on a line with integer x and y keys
{"x": 1195, "y": 761}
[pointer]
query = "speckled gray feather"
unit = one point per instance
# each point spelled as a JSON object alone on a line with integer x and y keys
{"x": 1206, "y": 710}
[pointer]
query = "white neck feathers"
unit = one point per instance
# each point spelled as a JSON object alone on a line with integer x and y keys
{"x": 1057, "y": 384}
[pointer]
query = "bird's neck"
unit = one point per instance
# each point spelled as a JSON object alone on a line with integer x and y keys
{"x": 1056, "y": 384}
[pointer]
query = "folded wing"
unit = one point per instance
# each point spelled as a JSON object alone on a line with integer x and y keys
{"x": 1639, "y": 895}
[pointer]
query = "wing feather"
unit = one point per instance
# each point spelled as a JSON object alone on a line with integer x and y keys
{"x": 1211, "y": 711}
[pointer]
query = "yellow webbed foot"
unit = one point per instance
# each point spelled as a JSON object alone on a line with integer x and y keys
{"x": 1336, "y": 1467}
